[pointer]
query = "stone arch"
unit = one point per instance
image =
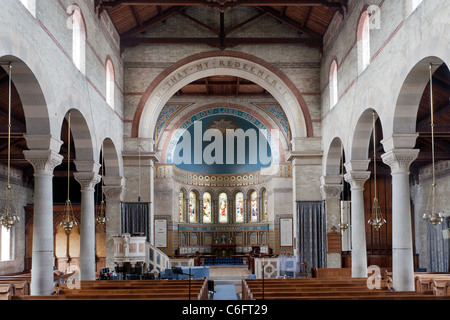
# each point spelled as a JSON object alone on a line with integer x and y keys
{"x": 226, "y": 63}
{"x": 111, "y": 159}
{"x": 360, "y": 141}
{"x": 31, "y": 95}
{"x": 82, "y": 138}
{"x": 333, "y": 157}
{"x": 407, "y": 107}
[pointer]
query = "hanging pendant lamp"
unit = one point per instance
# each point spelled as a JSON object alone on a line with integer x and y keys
{"x": 432, "y": 215}
{"x": 102, "y": 219}
{"x": 376, "y": 219}
{"x": 8, "y": 208}
{"x": 69, "y": 220}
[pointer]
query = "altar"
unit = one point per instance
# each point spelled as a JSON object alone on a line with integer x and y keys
{"x": 223, "y": 250}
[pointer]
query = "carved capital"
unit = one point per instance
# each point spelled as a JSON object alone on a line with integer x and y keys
{"x": 331, "y": 191}
{"x": 400, "y": 159}
{"x": 87, "y": 180}
{"x": 113, "y": 192}
{"x": 43, "y": 161}
{"x": 356, "y": 179}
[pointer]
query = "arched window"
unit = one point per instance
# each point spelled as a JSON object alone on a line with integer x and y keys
{"x": 363, "y": 41}
{"x": 30, "y": 5}
{"x": 239, "y": 207}
{"x": 254, "y": 206}
{"x": 333, "y": 84}
{"x": 223, "y": 208}
{"x": 181, "y": 200}
{"x": 192, "y": 207}
{"x": 78, "y": 38}
{"x": 264, "y": 205}
{"x": 207, "y": 208}
{"x": 110, "y": 83}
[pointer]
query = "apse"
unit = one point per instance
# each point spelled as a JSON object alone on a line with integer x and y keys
{"x": 223, "y": 144}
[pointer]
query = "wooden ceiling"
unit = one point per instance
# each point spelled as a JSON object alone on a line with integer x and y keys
{"x": 310, "y": 19}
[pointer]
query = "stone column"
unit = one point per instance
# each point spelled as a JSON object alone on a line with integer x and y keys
{"x": 113, "y": 190}
{"x": 331, "y": 190}
{"x": 87, "y": 180}
{"x": 356, "y": 179}
{"x": 306, "y": 158}
{"x": 402, "y": 243}
{"x": 44, "y": 162}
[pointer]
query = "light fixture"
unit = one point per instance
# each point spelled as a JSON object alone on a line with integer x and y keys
{"x": 69, "y": 221}
{"x": 8, "y": 213}
{"x": 432, "y": 215}
{"x": 101, "y": 213}
{"x": 343, "y": 226}
{"x": 376, "y": 219}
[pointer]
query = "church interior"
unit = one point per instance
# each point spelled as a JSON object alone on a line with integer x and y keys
{"x": 245, "y": 149}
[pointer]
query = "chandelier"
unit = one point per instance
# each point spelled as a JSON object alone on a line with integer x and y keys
{"x": 69, "y": 221}
{"x": 432, "y": 215}
{"x": 376, "y": 219}
{"x": 101, "y": 213}
{"x": 8, "y": 208}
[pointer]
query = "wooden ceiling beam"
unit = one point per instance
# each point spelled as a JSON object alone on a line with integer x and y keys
{"x": 292, "y": 23}
{"x": 199, "y": 23}
{"x": 278, "y": 3}
{"x": 246, "y": 22}
{"x": 215, "y": 42}
{"x": 152, "y": 22}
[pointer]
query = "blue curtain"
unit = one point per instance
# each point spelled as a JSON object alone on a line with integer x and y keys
{"x": 438, "y": 248}
{"x": 312, "y": 238}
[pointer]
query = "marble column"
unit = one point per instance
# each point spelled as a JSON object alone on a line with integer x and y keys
{"x": 87, "y": 180}
{"x": 44, "y": 163}
{"x": 402, "y": 243}
{"x": 331, "y": 190}
{"x": 356, "y": 179}
{"x": 113, "y": 190}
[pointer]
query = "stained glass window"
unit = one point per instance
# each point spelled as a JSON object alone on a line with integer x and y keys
{"x": 223, "y": 208}
{"x": 192, "y": 207}
{"x": 207, "y": 207}
{"x": 254, "y": 206}
{"x": 239, "y": 207}
{"x": 181, "y": 205}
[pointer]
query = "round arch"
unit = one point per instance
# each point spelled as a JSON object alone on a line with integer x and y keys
{"x": 31, "y": 95}
{"x": 360, "y": 141}
{"x": 333, "y": 157}
{"x": 225, "y": 63}
{"x": 111, "y": 159}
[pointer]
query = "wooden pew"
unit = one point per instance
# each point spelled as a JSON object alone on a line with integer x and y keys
{"x": 6, "y": 291}
{"x": 333, "y": 290}
{"x": 331, "y": 273}
{"x": 132, "y": 290}
{"x": 21, "y": 288}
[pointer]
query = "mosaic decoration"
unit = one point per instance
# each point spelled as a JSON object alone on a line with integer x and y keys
{"x": 276, "y": 112}
{"x": 251, "y": 178}
{"x": 167, "y": 114}
{"x": 225, "y": 111}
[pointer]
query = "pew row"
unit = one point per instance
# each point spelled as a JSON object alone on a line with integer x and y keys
{"x": 128, "y": 290}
